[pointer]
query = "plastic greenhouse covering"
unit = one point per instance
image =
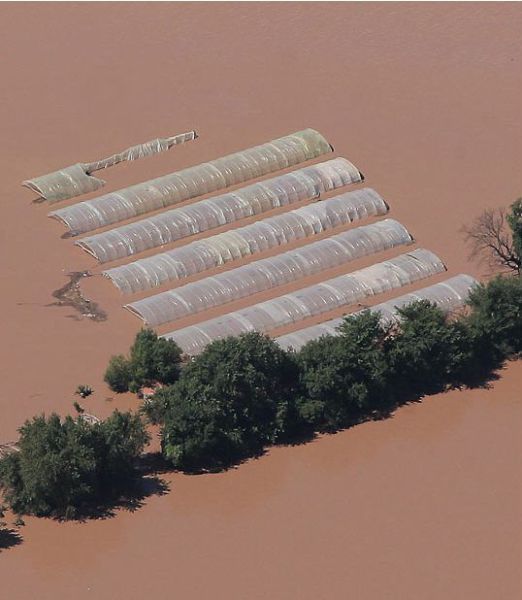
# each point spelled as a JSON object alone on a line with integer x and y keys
{"x": 192, "y": 182}
{"x": 316, "y": 299}
{"x": 448, "y": 295}
{"x": 78, "y": 179}
{"x": 270, "y": 272}
{"x": 201, "y": 255}
{"x": 300, "y": 185}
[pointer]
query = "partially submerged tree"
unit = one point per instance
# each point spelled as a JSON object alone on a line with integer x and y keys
{"x": 151, "y": 359}
{"x": 496, "y": 235}
{"x": 65, "y": 467}
{"x": 231, "y": 401}
{"x": 118, "y": 374}
{"x": 496, "y": 317}
{"x": 426, "y": 351}
{"x": 343, "y": 376}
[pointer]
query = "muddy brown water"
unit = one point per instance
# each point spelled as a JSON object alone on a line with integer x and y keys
{"x": 426, "y": 101}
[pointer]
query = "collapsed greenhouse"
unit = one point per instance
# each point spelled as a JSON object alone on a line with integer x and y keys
{"x": 300, "y": 185}
{"x": 77, "y": 179}
{"x": 448, "y": 295}
{"x": 344, "y": 290}
{"x": 271, "y": 272}
{"x": 235, "y": 244}
{"x": 192, "y": 182}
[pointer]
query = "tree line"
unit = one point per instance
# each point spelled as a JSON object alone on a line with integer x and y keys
{"x": 244, "y": 394}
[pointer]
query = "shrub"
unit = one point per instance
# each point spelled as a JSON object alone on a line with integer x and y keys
{"x": 83, "y": 391}
{"x": 496, "y": 317}
{"x": 118, "y": 374}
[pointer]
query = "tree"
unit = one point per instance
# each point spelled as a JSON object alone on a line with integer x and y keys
{"x": 118, "y": 374}
{"x": 496, "y": 317}
{"x": 514, "y": 219}
{"x": 490, "y": 236}
{"x": 152, "y": 359}
{"x": 65, "y": 466}
{"x": 230, "y": 401}
{"x": 83, "y": 391}
{"x": 426, "y": 351}
{"x": 343, "y": 377}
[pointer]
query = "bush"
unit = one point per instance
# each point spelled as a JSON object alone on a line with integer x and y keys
{"x": 83, "y": 391}
{"x": 65, "y": 467}
{"x": 152, "y": 359}
{"x": 230, "y": 402}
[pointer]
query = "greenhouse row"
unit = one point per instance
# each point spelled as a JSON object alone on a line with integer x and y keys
{"x": 300, "y": 185}
{"x": 448, "y": 295}
{"x": 269, "y": 273}
{"x": 201, "y": 255}
{"x": 344, "y": 290}
{"x": 193, "y": 181}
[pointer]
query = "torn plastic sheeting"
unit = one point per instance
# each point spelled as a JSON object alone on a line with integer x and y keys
{"x": 194, "y": 181}
{"x": 77, "y": 179}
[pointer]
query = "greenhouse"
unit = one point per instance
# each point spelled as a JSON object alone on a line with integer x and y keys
{"x": 313, "y": 300}
{"x": 301, "y": 185}
{"x": 201, "y": 255}
{"x": 448, "y": 295}
{"x": 270, "y": 272}
{"x": 192, "y": 182}
{"x": 78, "y": 179}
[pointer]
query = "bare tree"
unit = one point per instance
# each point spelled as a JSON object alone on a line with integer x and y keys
{"x": 491, "y": 239}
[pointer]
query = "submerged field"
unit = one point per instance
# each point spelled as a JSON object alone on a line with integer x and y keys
{"x": 425, "y": 101}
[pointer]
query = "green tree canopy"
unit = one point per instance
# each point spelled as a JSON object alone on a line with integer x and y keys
{"x": 65, "y": 466}
{"x": 344, "y": 376}
{"x": 427, "y": 351}
{"x": 230, "y": 401}
{"x": 496, "y": 316}
{"x": 152, "y": 359}
{"x": 514, "y": 219}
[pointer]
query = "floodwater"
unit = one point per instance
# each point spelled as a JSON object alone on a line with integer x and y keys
{"x": 425, "y": 100}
